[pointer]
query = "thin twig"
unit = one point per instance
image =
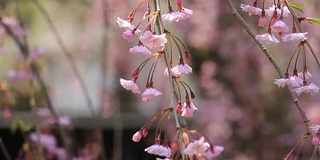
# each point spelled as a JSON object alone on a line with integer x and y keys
{"x": 32, "y": 101}
{"x": 4, "y": 150}
{"x": 68, "y": 55}
{"x": 273, "y": 62}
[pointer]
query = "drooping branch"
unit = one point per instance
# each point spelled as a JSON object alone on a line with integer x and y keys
{"x": 273, "y": 62}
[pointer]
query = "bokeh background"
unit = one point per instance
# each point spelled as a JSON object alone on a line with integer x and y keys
{"x": 239, "y": 106}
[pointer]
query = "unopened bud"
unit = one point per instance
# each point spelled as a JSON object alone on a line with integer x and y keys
{"x": 137, "y": 136}
{"x": 144, "y": 131}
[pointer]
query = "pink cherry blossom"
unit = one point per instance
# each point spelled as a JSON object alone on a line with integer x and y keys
{"x": 214, "y": 152}
{"x": 137, "y": 136}
{"x": 14, "y": 26}
{"x": 149, "y": 94}
{"x": 295, "y": 37}
{"x": 188, "y": 109}
{"x": 160, "y": 150}
{"x": 252, "y": 10}
{"x": 315, "y": 129}
{"x": 311, "y": 88}
{"x": 285, "y": 9}
{"x": 263, "y": 21}
{"x": 6, "y": 113}
{"x": 130, "y": 85}
{"x": 307, "y": 75}
{"x": 172, "y": 16}
{"x": 125, "y": 24}
{"x": 37, "y": 53}
{"x": 185, "y": 13}
{"x": 280, "y": 27}
{"x": 44, "y": 111}
{"x": 267, "y": 37}
{"x": 153, "y": 41}
{"x": 129, "y": 34}
{"x": 292, "y": 81}
{"x": 166, "y": 73}
{"x": 19, "y": 75}
{"x": 181, "y": 68}
{"x": 140, "y": 48}
{"x": 48, "y": 141}
{"x": 197, "y": 147}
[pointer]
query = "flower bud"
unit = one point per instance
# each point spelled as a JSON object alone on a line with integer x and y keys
{"x": 137, "y": 136}
{"x": 144, "y": 131}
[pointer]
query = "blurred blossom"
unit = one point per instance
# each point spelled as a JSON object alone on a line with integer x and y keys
{"x": 48, "y": 141}
{"x": 6, "y": 113}
{"x": 62, "y": 120}
{"x": 44, "y": 111}
{"x": 15, "y": 75}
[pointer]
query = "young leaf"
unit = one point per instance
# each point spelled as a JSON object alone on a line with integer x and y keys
{"x": 296, "y": 6}
{"x": 313, "y": 20}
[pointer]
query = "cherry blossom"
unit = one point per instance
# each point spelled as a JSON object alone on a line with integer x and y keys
{"x": 267, "y": 37}
{"x": 158, "y": 149}
{"x": 295, "y": 37}
{"x": 19, "y": 75}
{"x": 263, "y": 21}
{"x": 292, "y": 81}
{"x": 188, "y": 109}
{"x": 315, "y": 129}
{"x": 153, "y": 41}
{"x": 280, "y": 27}
{"x": 197, "y": 147}
{"x": 140, "y": 48}
{"x": 307, "y": 75}
{"x": 137, "y": 136}
{"x": 252, "y": 10}
{"x": 166, "y": 73}
{"x": 185, "y": 13}
{"x": 214, "y": 152}
{"x": 150, "y": 93}
{"x": 311, "y": 88}
{"x": 130, "y": 85}
{"x": 125, "y": 24}
{"x": 285, "y": 9}
{"x": 181, "y": 68}
{"x": 172, "y": 16}
{"x": 48, "y": 141}
{"x": 6, "y": 113}
{"x": 129, "y": 34}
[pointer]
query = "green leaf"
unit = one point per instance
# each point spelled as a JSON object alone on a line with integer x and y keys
{"x": 313, "y": 20}
{"x": 296, "y": 6}
{"x": 19, "y": 124}
{"x": 14, "y": 126}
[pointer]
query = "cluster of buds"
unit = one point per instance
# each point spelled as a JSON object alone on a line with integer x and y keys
{"x": 276, "y": 24}
{"x": 155, "y": 38}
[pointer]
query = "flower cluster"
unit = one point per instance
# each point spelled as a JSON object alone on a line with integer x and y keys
{"x": 298, "y": 83}
{"x": 275, "y": 23}
{"x": 154, "y": 40}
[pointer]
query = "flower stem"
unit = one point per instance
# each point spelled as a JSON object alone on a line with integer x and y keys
{"x": 174, "y": 95}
